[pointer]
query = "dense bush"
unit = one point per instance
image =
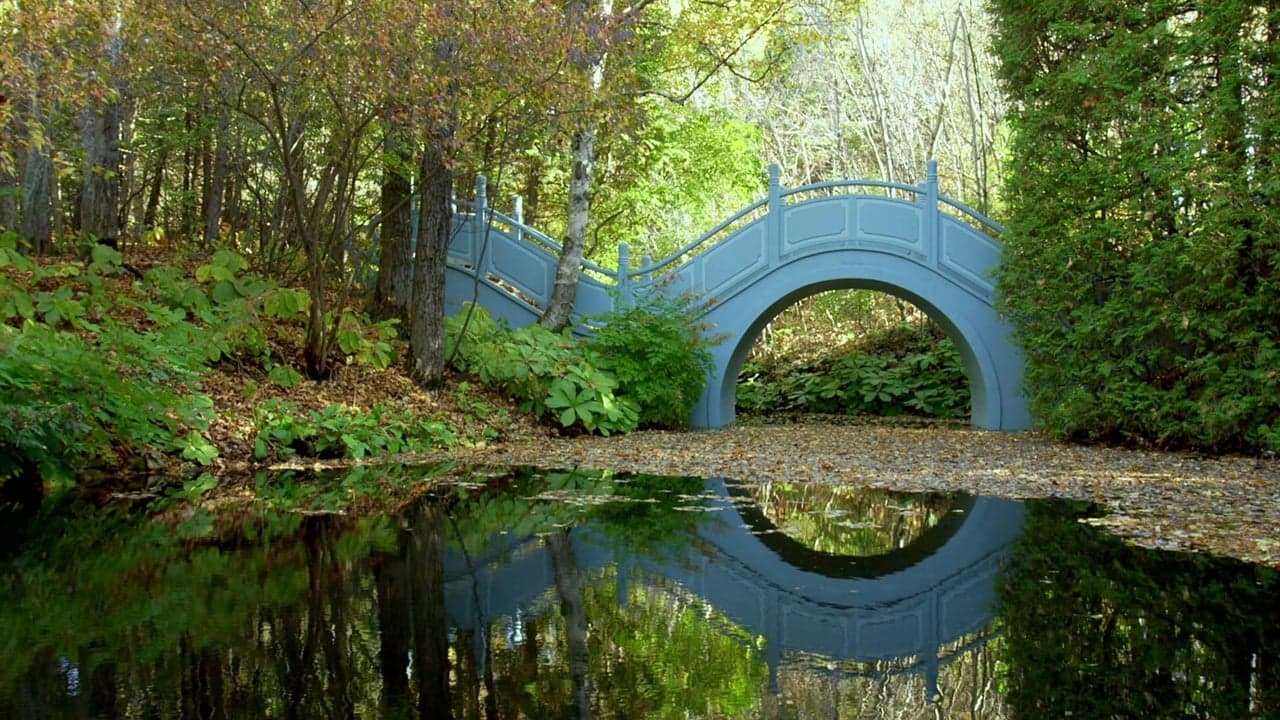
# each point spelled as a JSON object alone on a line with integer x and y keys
{"x": 547, "y": 372}
{"x": 1142, "y": 262}
{"x": 659, "y": 355}
{"x": 642, "y": 365}
{"x": 907, "y": 370}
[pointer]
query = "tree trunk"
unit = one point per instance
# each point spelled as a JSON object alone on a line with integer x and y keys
{"x": 153, "y": 194}
{"x": 559, "y": 311}
{"x": 37, "y": 194}
{"x": 426, "y": 335}
{"x": 100, "y": 194}
{"x": 394, "y": 291}
{"x": 216, "y": 181}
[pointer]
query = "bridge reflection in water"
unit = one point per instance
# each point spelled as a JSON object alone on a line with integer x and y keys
{"x": 905, "y": 611}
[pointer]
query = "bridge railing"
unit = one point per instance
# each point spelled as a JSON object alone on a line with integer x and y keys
{"x": 503, "y": 251}
{"x": 780, "y": 197}
{"x": 540, "y": 253}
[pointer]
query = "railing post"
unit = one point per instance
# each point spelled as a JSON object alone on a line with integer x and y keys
{"x": 929, "y": 211}
{"x": 647, "y": 262}
{"x": 624, "y": 275}
{"x": 517, "y": 212}
{"x": 773, "y": 234}
{"x": 480, "y": 227}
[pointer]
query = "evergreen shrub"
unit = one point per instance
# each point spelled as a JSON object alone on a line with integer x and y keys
{"x": 1142, "y": 259}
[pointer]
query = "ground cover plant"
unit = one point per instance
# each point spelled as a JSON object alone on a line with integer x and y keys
{"x": 904, "y": 369}
{"x": 114, "y": 373}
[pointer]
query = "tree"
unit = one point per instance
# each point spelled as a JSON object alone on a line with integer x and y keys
{"x": 666, "y": 52}
{"x": 1144, "y": 219}
{"x": 100, "y": 138}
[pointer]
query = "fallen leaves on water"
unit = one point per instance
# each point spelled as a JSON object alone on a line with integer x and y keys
{"x": 1226, "y": 506}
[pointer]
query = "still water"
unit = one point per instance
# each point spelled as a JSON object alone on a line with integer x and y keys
{"x": 581, "y": 595}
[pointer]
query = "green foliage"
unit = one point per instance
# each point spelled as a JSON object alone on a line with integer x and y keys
{"x": 284, "y": 376}
{"x": 338, "y": 431}
{"x": 659, "y": 354}
{"x": 907, "y": 370}
{"x": 547, "y": 372}
{"x": 67, "y": 404}
{"x": 369, "y": 343}
{"x": 1144, "y": 219}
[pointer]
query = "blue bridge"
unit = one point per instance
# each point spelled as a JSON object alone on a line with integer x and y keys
{"x": 905, "y": 240}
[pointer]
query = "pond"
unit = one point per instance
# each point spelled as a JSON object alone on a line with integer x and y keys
{"x": 592, "y": 595}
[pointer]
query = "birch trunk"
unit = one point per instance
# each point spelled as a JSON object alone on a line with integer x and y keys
{"x": 569, "y": 267}
{"x": 559, "y": 310}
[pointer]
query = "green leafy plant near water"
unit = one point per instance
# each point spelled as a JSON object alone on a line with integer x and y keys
{"x": 343, "y": 432}
{"x": 93, "y": 379}
{"x": 642, "y": 365}
{"x": 907, "y": 370}
{"x": 79, "y": 389}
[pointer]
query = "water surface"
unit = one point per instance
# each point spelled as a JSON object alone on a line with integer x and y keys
{"x": 588, "y": 595}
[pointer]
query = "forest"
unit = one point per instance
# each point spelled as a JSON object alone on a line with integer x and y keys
{"x": 223, "y": 224}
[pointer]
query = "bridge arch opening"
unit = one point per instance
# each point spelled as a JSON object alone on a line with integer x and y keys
{"x": 963, "y": 330}
{"x": 853, "y": 352}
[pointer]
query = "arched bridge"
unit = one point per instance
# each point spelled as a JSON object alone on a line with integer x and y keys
{"x": 905, "y": 240}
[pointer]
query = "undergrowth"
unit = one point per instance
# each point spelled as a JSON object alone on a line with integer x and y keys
{"x": 910, "y": 369}
{"x": 103, "y": 374}
{"x": 642, "y": 365}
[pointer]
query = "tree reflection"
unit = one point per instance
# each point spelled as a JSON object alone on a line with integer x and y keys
{"x": 328, "y": 616}
{"x": 1098, "y": 628}
{"x": 847, "y": 520}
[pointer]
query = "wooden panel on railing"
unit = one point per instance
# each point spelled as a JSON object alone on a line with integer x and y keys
{"x": 815, "y": 221}
{"x": 593, "y": 298}
{"x": 892, "y": 222}
{"x": 733, "y": 259}
{"x": 462, "y": 246}
{"x": 527, "y": 267}
{"x": 969, "y": 255}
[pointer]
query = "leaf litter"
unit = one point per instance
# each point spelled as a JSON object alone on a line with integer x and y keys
{"x": 1228, "y": 506}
